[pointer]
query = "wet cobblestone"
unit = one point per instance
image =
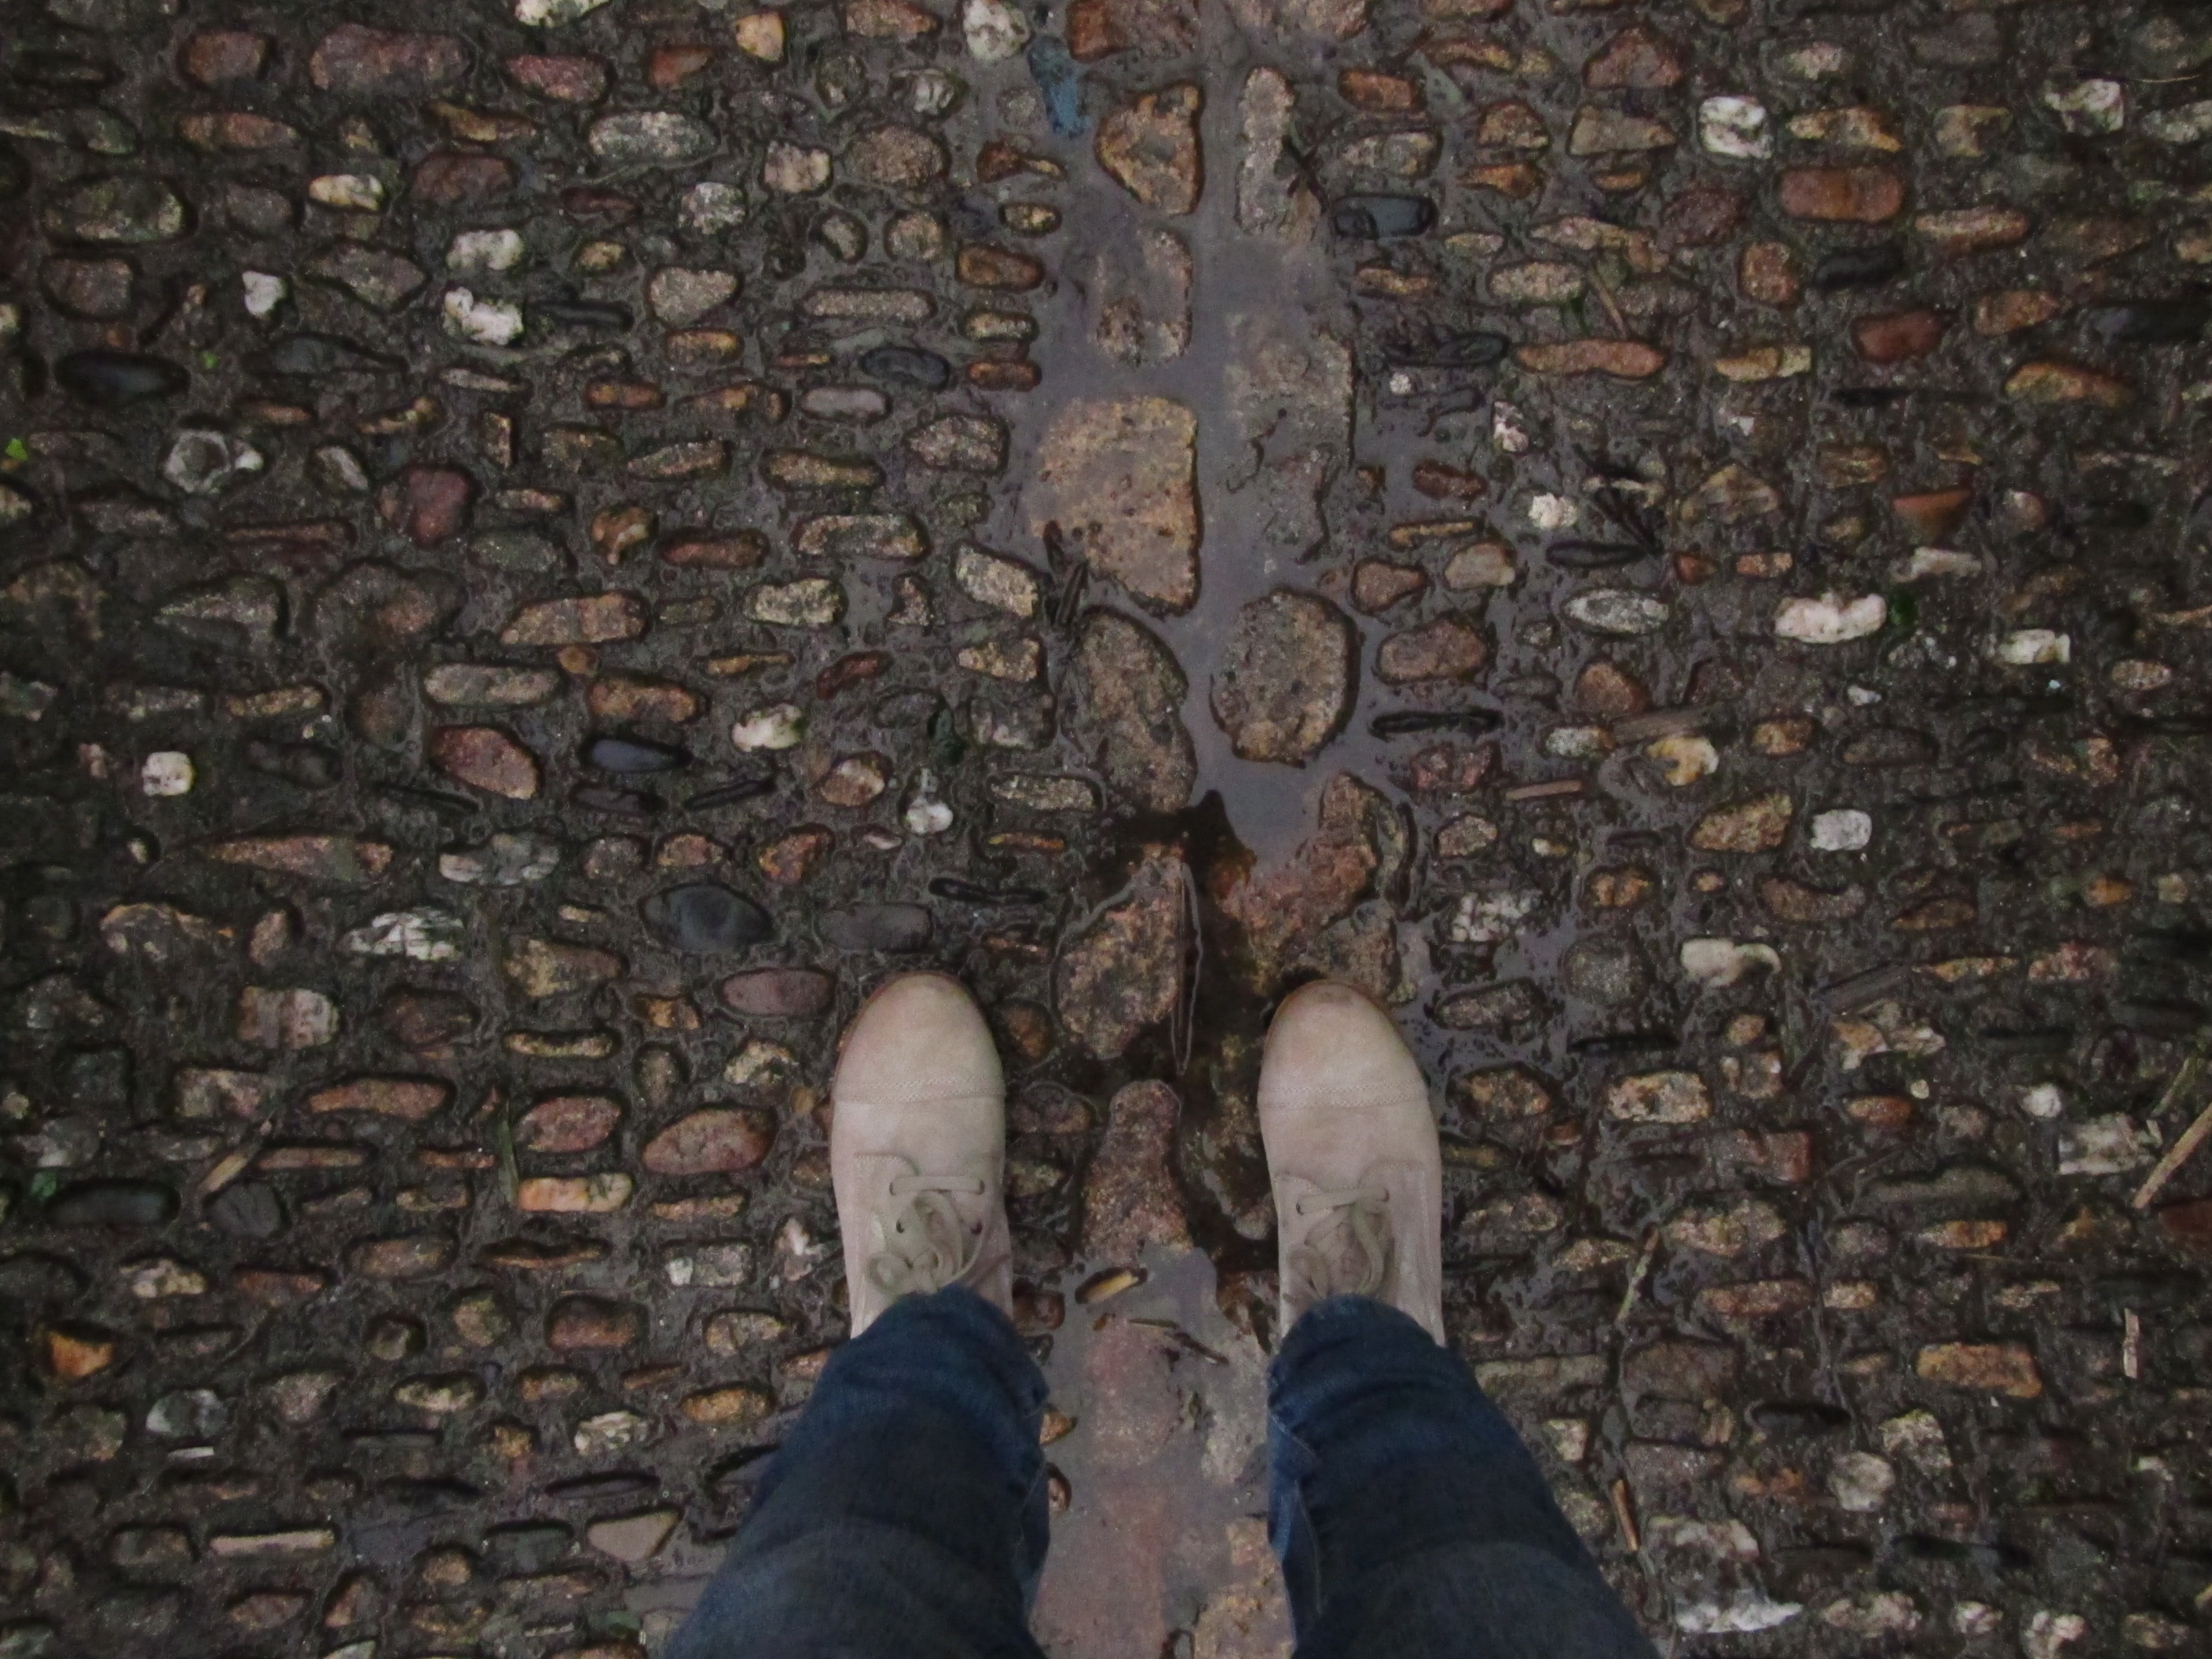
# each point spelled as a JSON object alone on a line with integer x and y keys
{"x": 546, "y": 546}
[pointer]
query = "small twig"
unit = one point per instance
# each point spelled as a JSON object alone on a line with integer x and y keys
{"x": 2191, "y": 1137}
{"x": 2131, "y": 1345}
{"x": 1626, "y": 1516}
{"x": 1612, "y": 307}
{"x": 1636, "y": 1276}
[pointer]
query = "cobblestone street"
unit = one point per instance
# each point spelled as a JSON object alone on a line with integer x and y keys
{"x": 548, "y": 545}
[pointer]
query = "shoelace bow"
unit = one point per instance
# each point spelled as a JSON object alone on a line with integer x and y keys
{"x": 931, "y": 1246}
{"x": 1351, "y": 1255}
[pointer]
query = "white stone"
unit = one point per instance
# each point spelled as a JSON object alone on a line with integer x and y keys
{"x": 188, "y": 1414}
{"x": 2029, "y": 648}
{"x": 1917, "y": 1437}
{"x": 1831, "y": 619}
{"x": 1884, "y": 1612}
{"x": 1618, "y": 610}
{"x": 1488, "y": 917}
{"x": 505, "y": 860}
{"x": 609, "y": 1431}
{"x": 1570, "y": 1437}
{"x": 1507, "y": 434}
{"x": 759, "y": 1063}
{"x": 552, "y": 13}
{"x": 1554, "y": 512}
{"x": 931, "y": 92}
{"x": 1686, "y": 756}
{"x": 485, "y": 251}
{"x": 201, "y": 462}
{"x": 779, "y": 726}
{"x": 1723, "y": 961}
{"x": 1717, "y": 1540}
{"x": 994, "y": 30}
{"x": 761, "y": 34}
{"x": 1741, "y": 1613}
{"x": 2184, "y": 125}
{"x": 488, "y": 322}
{"x": 711, "y": 207}
{"x": 2089, "y": 108}
{"x": 2045, "y": 1100}
{"x": 795, "y": 169}
{"x": 358, "y": 192}
{"x": 992, "y": 579}
{"x": 1731, "y": 125}
{"x": 264, "y": 292}
{"x": 1973, "y": 1619}
{"x": 1924, "y": 563}
{"x": 167, "y": 772}
{"x": 1861, "y": 1482}
{"x": 1844, "y": 830}
{"x": 162, "y": 1276}
{"x": 1580, "y": 743}
{"x": 2048, "y": 1631}
{"x": 1817, "y": 62}
{"x": 2104, "y": 1145}
{"x": 925, "y": 814}
{"x": 424, "y": 935}
{"x": 711, "y": 1267}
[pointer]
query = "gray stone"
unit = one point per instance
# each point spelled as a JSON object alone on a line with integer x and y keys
{"x": 1284, "y": 685}
{"x": 651, "y": 138}
{"x": 1128, "y": 694}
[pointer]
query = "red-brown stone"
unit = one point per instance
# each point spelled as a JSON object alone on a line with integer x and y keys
{"x": 356, "y": 62}
{"x": 568, "y": 1123}
{"x": 447, "y": 177}
{"x": 1860, "y": 195}
{"x": 777, "y": 993}
{"x": 215, "y": 57}
{"x": 714, "y": 1141}
{"x": 569, "y": 80}
{"x": 428, "y": 504}
{"x": 1898, "y": 337}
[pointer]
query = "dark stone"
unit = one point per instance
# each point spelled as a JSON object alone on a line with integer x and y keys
{"x": 583, "y": 314}
{"x": 1859, "y": 267}
{"x": 527, "y": 1547}
{"x": 2150, "y": 322}
{"x": 111, "y": 378}
{"x": 112, "y": 1204}
{"x": 629, "y": 755}
{"x": 705, "y": 918}
{"x": 894, "y": 928}
{"x": 1379, "y": 218}
{"x": 315, "y": 354}
{"x": 309, "y": 765}
{"x": 906, "y": 365}
{"x": 248, "y": 1209}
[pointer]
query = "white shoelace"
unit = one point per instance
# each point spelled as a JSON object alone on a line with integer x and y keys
{"x": 1348, "y": 1254}
{"x": 930, "y": 1246}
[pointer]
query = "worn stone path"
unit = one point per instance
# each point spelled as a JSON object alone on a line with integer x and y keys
{"x": 547, "y": 544}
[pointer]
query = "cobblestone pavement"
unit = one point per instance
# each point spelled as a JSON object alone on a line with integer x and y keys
{"x": 547, "y": 544}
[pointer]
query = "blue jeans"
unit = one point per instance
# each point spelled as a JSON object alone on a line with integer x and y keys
{"x": 904, "y": 1517}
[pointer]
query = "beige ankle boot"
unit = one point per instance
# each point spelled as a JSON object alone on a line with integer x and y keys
{"x": 917, "y": 1149}
{"x": 1351, "y": 1148}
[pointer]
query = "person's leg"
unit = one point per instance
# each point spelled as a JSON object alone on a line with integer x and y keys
{"x": 1411, "y": 1522}
{"x": 905, "y": 1515}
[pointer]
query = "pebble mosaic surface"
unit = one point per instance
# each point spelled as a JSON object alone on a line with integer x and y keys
{"x": 546, "y": 546}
